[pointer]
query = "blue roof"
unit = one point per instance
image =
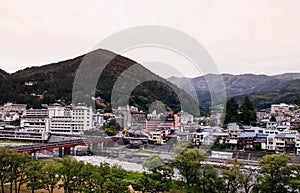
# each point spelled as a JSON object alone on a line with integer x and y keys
{"x": 262, "y": 135}
{"x": 244, "y": 135}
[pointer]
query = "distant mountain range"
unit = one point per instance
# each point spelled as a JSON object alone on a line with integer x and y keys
{"x": 54, "y": 82}
{"x": 263, "y": 90}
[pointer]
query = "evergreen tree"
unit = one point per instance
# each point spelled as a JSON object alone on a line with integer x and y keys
{"x": 273, "y": 118}
{"x": 248, "y": 115}
{"x": 231, "y": 112}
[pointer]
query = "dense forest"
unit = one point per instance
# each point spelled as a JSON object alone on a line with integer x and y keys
{"x": 54, "y": 83}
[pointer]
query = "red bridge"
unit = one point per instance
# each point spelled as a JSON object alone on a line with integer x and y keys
{"x": 64, "y": 147}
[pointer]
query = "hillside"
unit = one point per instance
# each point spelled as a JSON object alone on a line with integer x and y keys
{"x": 262, "y": 89}
{"x": 3, "y": 74}
{"x": 53, "y": 82}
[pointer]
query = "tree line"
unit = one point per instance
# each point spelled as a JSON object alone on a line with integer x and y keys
{"x": 275, "y": 175}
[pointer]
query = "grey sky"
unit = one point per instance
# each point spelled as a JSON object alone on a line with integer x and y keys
{"x": 250, "y": 36}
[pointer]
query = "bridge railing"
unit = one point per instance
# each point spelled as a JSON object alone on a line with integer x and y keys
{"x": 36, "y": 147}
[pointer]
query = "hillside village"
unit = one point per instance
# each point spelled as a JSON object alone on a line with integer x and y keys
{"x": 276, "y": 129}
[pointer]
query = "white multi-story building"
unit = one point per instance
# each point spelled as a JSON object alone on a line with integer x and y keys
{"x": 35, "y": 120}
{"x": 57, "y": 119}
{"x": 82, "y": 117}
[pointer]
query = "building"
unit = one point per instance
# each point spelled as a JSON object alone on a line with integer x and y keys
{"x": 234, "y": 132}
{"x": 185, "y": 118}
{"x": 160, "y": 136}
{"x": 130, "y": 116}
{"x": 246, "y": 141}
{"x": 200, "y": 138}
{"x": 297, "y": 145}
{"x": 260, "y": 141}
{"x": 56, "y": 119}
{"x": 81, "y": 118}
{"x": 285, "y": 143}
{"x": 98, "y": 120}
{"x": 35, "y": 120}
{"x": 11, "y": 112}
{"x": 159, "y": 122}
{"x": 280, "y": 108}
{"x": 11, "y": 107}
{"x": 138, "y": 119}
{"x": 271, "y": 146}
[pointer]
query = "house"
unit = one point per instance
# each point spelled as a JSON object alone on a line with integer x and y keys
{"x": 271, "y": 146}
{"x": 246, "y": 140}
{"x": 279, "y": 143}
{"x": 232, "y": 143}
{"x": 234, "y": 132}
{"x": 285, "y": 143}
{"x": 260, "y": 141}
{"x": 290, "y": 142}
{"x": 271, "y": 125}
{"x": 220, "y": 137}
{"x": 198, "y": 138}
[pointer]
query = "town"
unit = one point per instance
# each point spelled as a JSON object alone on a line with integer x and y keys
{"x": 275, "y": 131}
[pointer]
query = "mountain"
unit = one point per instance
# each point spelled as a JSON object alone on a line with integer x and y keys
{"x": 54, "y": 82}
{"x": 3, "y": 74}
{"x": 263, "y": 90}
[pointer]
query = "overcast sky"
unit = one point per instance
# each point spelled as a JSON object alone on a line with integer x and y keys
{"x": 250, "y": 36}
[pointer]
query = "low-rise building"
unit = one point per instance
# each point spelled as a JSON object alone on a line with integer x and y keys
{"x": 280, "y": 108}
{"x": 246, "y": 141}
{"x": 260, "y": 141}
{"x": 297, "y": 145}
{"x": 271, "y": 145}
{"x": 160, "y": 136}
{"x": 285, "y": 143}
{"x": 198, "y": 139}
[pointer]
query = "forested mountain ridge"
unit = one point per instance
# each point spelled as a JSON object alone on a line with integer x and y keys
{"x": 54, "y": 82}
{"x": 263, "y": 90}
